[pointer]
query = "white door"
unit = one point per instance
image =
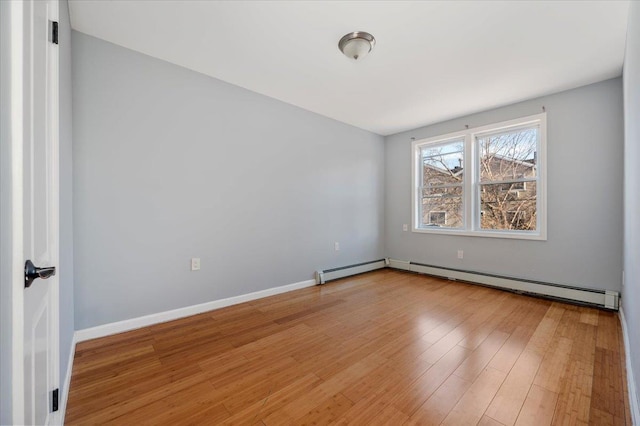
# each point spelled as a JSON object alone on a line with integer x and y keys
{"x": 40, "y": 209}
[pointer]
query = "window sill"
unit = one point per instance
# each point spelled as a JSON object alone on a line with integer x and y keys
{"x": 538, "y": 236}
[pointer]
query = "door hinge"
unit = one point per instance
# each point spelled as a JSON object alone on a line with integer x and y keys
{"x": 54, "y": 400}
{"x": 54, "y": 32}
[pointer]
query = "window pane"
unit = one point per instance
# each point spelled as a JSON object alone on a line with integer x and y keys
{"x": 442, "y": 164}
{"x": 438, "y": 218}
{"x": 441, "y": 192}
{"x": 510, "y": 155}
{"x": 508, "y": 210}
{"x": 441, "y": 211}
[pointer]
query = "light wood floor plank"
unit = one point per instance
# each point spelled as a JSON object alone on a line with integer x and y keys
{"x": 471, "y": 368}
{"x": 538, "y": 408}
{"x": 471, "y": 407}
{"x": 386, "y": 347}
{"x": 441, "y": 402}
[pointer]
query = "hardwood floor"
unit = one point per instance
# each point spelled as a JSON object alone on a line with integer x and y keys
{"x": 386, "y": 347}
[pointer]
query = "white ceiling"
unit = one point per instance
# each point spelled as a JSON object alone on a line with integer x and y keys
{"x": 432, "y": 61}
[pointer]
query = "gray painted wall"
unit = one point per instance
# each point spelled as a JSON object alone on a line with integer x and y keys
{"x": 584, "y": 175}
{"x": 631, "y": 289}
{"x": 170, "y": 164}
{"x": 65, "y": 268}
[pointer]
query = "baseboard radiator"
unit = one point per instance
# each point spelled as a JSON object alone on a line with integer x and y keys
{"x": 605, "y": 299}
{"x": 600, "y": 298}
{"x": 346, "y": 271}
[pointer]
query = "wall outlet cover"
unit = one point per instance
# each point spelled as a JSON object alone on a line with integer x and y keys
{"x": 195, "y": 264}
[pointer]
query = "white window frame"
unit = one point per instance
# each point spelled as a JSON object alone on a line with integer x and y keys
{"x": 470, "y": 186}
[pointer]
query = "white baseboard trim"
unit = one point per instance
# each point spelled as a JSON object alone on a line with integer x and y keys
{"x": 603, "y": 298}
{"x": 67, "y": 380}
{"x": 631, "y": 383}
{"x": 144, "y": 321}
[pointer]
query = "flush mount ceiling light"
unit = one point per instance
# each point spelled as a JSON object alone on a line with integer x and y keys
{"x": 356, "y": 45}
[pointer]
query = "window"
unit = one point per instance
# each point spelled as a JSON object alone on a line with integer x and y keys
{"x": 437, "y": 218}
{"x": 441, "y": 181}
{"x": 487, "y": 181}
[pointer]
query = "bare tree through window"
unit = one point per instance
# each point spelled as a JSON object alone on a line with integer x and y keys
{"x": 442, "y": 180}
{"x": 508, "y": 170}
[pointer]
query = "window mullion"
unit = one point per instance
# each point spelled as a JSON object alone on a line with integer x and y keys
{"x": 469, "y": 184}
{"x": 416, "y": 208}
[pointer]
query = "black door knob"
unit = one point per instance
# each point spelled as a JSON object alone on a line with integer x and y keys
{"x": 31, "y": 272}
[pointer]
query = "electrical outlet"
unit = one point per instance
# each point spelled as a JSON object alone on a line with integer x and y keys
{"x": 405, "y": 227}
{"x": 460, "y": 254}
{"x": 195, "y": 263}
{"x": 336, "y": 246}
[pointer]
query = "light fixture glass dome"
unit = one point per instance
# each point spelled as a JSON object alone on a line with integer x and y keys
{"x": 356, "y": 45}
